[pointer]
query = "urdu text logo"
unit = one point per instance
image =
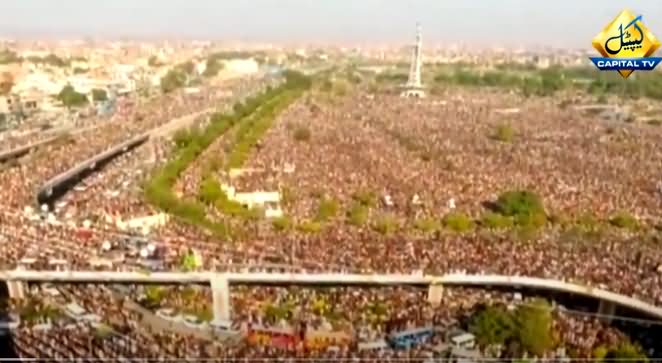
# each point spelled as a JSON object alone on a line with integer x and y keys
{"x": 626, "y": 46}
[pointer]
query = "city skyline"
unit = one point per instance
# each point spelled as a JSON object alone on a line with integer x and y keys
{"x": 511, "y": 23}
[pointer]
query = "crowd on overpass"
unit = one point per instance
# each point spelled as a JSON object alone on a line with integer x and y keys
{"x": 354, "y": 322}
{"x": 445, "y": 161}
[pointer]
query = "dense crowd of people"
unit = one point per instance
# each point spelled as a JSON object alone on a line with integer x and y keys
{"x": 414, "y": 158}
{"x": 352, "y": 320}
{"x": 354, "y": 148}
{"x": 135, "y": 119}
{"x": 447, "y": 150}
{"x": 89, "y": 214}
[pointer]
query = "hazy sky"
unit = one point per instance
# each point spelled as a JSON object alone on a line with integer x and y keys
{"x": 569, "y": 23}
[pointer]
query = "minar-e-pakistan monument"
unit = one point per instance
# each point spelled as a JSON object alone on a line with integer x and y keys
{"x": 414, "y": 87}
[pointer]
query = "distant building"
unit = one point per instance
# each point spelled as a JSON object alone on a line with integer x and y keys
{"x": 241, "y": 66}
{"x": 8, "y": 104}
{"x": 40, "y": 81}
{"x": 16, "y": 107}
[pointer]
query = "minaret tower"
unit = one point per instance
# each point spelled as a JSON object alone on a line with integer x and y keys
{"x": 414, "y": 87}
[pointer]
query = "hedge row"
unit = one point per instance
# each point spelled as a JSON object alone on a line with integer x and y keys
{"x": 249, "y": 131}
{"x": 520, "y": 209}
{"x": 191, "y": 143}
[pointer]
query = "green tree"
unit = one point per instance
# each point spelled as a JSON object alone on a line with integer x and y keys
{"x": 624, "y": 220}
{"x": 626, "y": 352}
{"x": 173, "y": 80}
{"x": 281, "y": 223}
{"x": 55, "y": 61}
{"x": 458, "y": 222}
{"x": 365, "y": 198}
{"x": 600, "y": 352}
{"x": 494, "y": 325}
{"x": 357, "y": 215}
{"x": 328, "y": 209}
{"x": 210, "y": 191}
{"x": 187, "y": 67}
{"x": 70, "y": 98}
{"x": 153, "y": 61}
{"x": 534, "y": 323}
{"x": 185, "y": 137}
{"x": 504, "y": 133}
{"x": 8, "y": 56}
{"x": 213, "y": 67}
{"x": 262, "y": 110}
{"x": 386, "y": 224}
{"x": 427, "y": 225}
{"x": 99, "y": 95}
{"x": 310, "y": 227}
{"x": 153, "y": 296}
{"x": 519, "y": 204}
{"x": 493, "y": 220}
{"x": 189, "y": 262}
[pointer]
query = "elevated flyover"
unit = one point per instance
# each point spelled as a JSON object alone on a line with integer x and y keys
{"x": 20, "y": 151}
{"x": 220, "y": 284}
{"x": 52, "y": 135}
{"x": 56, "y": 186}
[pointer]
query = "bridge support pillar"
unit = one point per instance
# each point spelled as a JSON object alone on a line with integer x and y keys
{"x": 221, "y": 298}
{"x": 16, "y": 289}
{"x": 435, "y": 294}
{"x": 606, "y": 310}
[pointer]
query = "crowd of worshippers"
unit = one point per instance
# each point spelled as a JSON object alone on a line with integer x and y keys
{"x": 551, "y": 254}
{"x": 131, "y": 119}
{"x": 104, "y": 198}
{"x": 340, "y": 322}
{"x": 374, "y": 145}
{"x": 427, "y": 160}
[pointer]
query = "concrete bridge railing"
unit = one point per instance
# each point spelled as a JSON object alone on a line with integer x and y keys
{"x": 220, "y": 284}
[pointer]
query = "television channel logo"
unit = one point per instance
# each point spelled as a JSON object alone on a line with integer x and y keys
{"x": 626, "y": 45}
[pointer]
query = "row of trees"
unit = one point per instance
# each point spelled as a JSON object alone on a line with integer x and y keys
{"x": 51, "y": 60}
{"x": 191, "y": 143}
{"x": 212, "y": 68}
{"x": 526, "y": 329}
{"x": 529, "y": 329}
{"x": 250, "y": 129}
{"x": 548, "y": 81}
{"x": 179, "y": 76}
{"x": 542, "y": 84}
{"x": 517, "y": 210}
{"x": 8, "y": 56}
{"x": 70, "y": 98}
{"x": 174, "y": 79}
